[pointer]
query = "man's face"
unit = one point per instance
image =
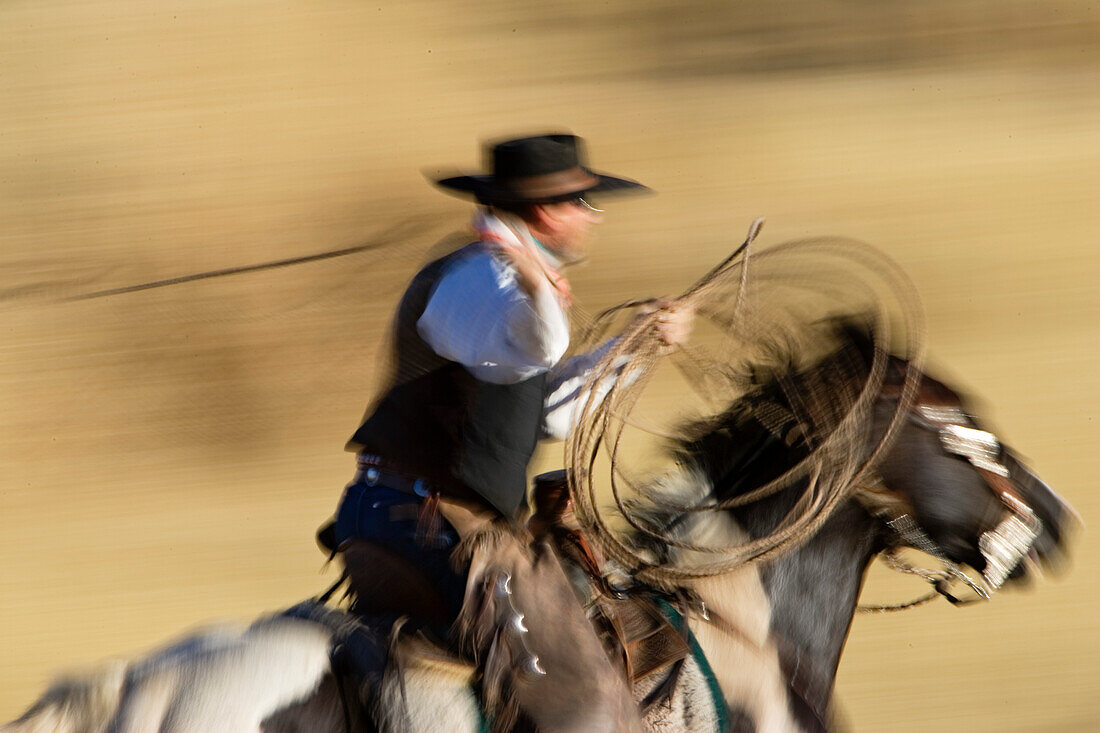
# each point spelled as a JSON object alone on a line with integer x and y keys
{"x": 566, "y": 228}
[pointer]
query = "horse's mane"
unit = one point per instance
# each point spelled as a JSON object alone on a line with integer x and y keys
{"x": 798, "y": 393}
{"x": 788, "y": 409}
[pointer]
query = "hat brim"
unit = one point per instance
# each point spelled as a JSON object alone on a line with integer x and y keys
{"x": 487, "y": 190}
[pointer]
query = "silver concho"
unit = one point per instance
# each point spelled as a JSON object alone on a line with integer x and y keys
{"x": 512, "y": 622}
{"x": 1004, "y": 546}
{"x": 979, "y": 447}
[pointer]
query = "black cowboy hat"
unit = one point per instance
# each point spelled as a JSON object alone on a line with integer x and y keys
{"x": 538, "y": 169}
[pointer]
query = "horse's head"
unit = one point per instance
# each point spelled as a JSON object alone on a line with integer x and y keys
{"x": 951, "y": 487}
{"x": 941, "y": 483}
{"x": 970, "y": 495}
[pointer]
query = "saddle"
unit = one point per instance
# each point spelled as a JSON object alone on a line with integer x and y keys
{"x": 635, "y": 631}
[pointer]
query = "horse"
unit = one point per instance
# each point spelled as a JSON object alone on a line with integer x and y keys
{"x": 766, "y": 637}
{"x": 774, "y": 632}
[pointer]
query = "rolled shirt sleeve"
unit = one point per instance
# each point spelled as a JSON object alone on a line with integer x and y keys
{"x": 565, "y": 394}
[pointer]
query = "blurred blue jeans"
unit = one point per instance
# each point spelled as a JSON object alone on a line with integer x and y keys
{"x": 367, "y": 512}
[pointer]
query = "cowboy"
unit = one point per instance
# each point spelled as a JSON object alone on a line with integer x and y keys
{"x": 479, "y": 339}
{"x": 480, "y": 375}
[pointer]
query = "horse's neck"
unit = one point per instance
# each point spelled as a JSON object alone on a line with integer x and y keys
{"x": 813, "y": 593}
{"x": 776, "y": 633}
{"x": 735, "y": 637}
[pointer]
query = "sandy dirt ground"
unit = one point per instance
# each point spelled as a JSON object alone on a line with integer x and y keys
{"x": 167, "y": 453}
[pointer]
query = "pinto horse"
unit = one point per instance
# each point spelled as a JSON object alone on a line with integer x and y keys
{"x": 774, "y": 633}
{"x": 768, "y": 636}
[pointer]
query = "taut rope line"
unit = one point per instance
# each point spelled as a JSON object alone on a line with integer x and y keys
{"x": 400, "y": 230}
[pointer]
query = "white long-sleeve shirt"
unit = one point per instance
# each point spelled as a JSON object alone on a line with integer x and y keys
{"x": 479, "y": 316}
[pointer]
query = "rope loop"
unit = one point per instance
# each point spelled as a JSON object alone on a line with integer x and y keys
{"x": 753, "y": 300}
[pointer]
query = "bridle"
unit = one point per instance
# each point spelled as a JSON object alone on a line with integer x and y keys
{"x": 1003, "y": 547}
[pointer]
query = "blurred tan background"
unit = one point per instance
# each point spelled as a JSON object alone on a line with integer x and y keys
{"x": 168, "y": 453}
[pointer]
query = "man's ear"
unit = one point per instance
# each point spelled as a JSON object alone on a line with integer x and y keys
{"x": 546, "y": 217}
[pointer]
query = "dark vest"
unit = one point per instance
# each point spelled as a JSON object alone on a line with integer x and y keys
{"x": 437, "y": 421}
